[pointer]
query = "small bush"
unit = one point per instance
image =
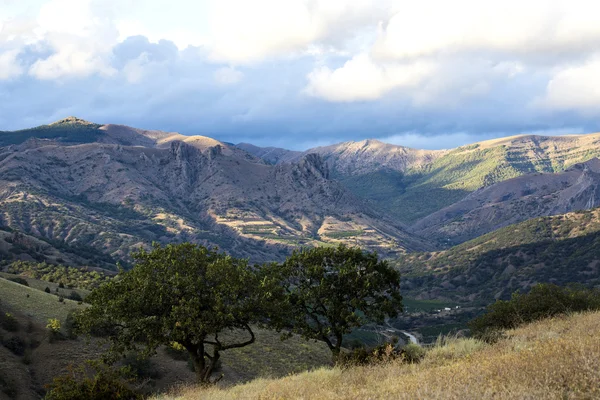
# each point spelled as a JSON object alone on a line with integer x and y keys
{"x": 61, "y": 299}
{"x": 19, "y": 280}
{"x": 9, "y": 322}
{"x": 53, "y": 328}
{"x": 413, "y": 353}
{"x": 141, "y": 367}
{"x": 75, "y": 296}
{"x": 61, "y": 285}
{"x": 15, "y": 344}
{"x": 363, "y": 356}
{"x": 47, "y": 290}
{"x": 177, "y": 352}
{"x": 105, "y": 383}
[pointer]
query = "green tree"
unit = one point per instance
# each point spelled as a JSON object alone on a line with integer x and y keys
{"x": 181, "y": 293}
{"x": 331, "y": 291}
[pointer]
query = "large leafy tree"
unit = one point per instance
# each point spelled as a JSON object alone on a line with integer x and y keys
{"x": 182, "y": 293}
{"x": 331, "y": 291}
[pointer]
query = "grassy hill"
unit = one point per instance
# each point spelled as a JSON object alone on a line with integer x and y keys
{"x": 559, "y": 249}
{"x": 551, "y": 359}
{"x": 23, "y": 374}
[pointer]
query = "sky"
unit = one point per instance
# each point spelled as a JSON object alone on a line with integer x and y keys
{"x": 302, "y": 73}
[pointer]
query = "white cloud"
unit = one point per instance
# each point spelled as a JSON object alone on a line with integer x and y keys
{"x": 362, "y": 79}
{"x": 517, "y": 27}
{"x": 9, "y": 65}
{"x": 575, "y": 88}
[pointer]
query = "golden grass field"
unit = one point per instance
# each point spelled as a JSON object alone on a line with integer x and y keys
{"x": 552, "y": 359}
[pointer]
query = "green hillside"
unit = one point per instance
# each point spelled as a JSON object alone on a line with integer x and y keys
{"x": 559, "y": 249}
{"x": 417, "y": 193}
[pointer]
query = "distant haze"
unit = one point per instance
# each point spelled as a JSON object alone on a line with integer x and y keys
{"x": 303, "y": 73}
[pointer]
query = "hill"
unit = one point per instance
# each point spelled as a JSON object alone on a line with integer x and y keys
{"x": 558, "y": 249}
{"x": 530, "y": 362}
{"x": 29, "y": 359}
{"x": 125, "y": 187}
{"x": 80, "y": 191}
{"x": 515, "y": 200}
{"x": 410, "y": 184}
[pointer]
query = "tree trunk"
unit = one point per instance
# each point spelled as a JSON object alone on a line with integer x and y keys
{"x": 198, "y": 359}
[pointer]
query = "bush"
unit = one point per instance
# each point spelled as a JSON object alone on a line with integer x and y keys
{"x": 53, "y": 327}
{"x": 363, "y": 356}
{"x": 413, "y": 353}
{"x": 75, "y": 296}
{"x": 47, "y": 290}
{"x": 15, "y": 344}
{"x": 9, "y": 322}
{"x": 177, "y": 352}
{"x": 141, "y": 367}
{"x": 105, "y": 384}
{"x": 19, "y": 280}
{"x": 543, "y": 301}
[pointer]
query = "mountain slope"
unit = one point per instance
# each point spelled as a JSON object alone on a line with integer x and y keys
{"x": 131, "y": 187}
{"x": 560, "y": 249}
{"x": 410, "y": 184}
{"x": 515, "y": 200}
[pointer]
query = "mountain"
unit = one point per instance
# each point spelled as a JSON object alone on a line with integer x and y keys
{"x": 559, "y": 249}
{"x": 115, "y": 188}
{"x": 515, "y": 200}
{"x": 410, "y": 184}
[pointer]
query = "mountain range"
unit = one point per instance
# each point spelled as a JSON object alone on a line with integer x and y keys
{"x": 93, "y": 192}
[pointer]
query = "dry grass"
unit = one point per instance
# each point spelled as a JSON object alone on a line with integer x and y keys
{"x": 551, "y": 359}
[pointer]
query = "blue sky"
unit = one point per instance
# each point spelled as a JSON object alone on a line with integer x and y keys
{"x": 301, "y": 73}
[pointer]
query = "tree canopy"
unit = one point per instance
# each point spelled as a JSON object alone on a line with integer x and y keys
{"x": 331, "y": 291}
{"x": 182, "y": 293}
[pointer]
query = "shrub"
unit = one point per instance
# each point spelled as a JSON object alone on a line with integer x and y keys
{"x": 413, "y": 353}
{"x": 141, "y": 367}
{"x": 9, "y": 322}
{"x": 75, "y": 296}
{"x": 105, "y": 383}
{"x": 19, "y": 280}
{"x": 543, "y": 301}
{"x": 53, "y": 327}
{"x": 363, "y": 356}
{"x": 47, "y": 290}
{"x": 177, "y": 352}
{"x": 15, "y": 344}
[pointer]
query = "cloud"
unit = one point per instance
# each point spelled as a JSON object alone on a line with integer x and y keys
{"x": 298, "y": 72}
{"x": 9, "y": 65}
{"x": 513, "y": 27}
{"x": 575, "y": 88}
{"x": 362, "y": 79}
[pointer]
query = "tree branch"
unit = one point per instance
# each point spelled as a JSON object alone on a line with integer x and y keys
{"x": 246, "y": 343}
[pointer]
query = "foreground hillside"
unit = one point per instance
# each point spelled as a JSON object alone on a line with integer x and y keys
{"x": 30, "y": 358}
{"x": 550, "y": 359}
{"x": 559, "y": 249}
